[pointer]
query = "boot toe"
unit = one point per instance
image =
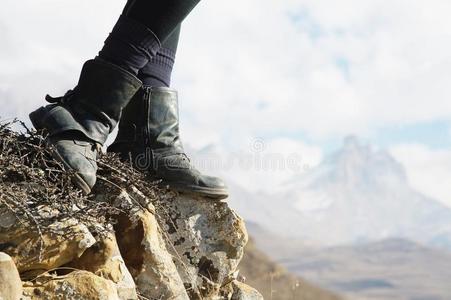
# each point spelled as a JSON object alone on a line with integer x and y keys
{"x": 212, "y": 182}
{"x": 213, "y": 187}
{"x": 80, "y": 157}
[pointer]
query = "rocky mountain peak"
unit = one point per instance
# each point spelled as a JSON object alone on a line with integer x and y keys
{"x": 358, "y": 194}
{"x": 359, "y": 164}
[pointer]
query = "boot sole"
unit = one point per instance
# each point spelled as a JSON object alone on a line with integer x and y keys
{"x": 214, "y": 194}
{"x": 36, "y": 119}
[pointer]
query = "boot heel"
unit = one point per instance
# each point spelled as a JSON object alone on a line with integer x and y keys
{"x": 37, "y": 118}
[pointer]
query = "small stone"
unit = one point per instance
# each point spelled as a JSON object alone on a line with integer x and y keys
{"x": 7, "y": 219}
{"x": 76, "y": 285}
{"x": 242, "y": 291}
{"x": 10, "y": 284}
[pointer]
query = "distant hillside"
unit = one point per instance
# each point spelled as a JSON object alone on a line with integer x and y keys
{"x": 276, "y": 283}
{"x": 390, "y": 269}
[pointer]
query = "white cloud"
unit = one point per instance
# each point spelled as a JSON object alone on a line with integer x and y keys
{"x": 44, "y": 44}
{"x": 262, "y": 165}
{"x": 395, "y": 53}
{"x": 429, "y": 170}
{"x": 257, "y": 66}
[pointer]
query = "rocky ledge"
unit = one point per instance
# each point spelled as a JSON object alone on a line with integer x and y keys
{"x": 129, "y": 239}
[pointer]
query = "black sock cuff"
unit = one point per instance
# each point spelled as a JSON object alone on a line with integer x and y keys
{"x": 165, "y": 58}
{"x": 159, "y": 70}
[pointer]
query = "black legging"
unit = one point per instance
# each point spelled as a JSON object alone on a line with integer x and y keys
{"x": 145, "y": 27}
{"x": 162, "y": 17}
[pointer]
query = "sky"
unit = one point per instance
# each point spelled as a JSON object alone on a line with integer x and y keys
{"x": 263, "y": 77}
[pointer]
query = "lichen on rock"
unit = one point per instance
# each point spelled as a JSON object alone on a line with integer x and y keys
{"x": 207, "y": 239}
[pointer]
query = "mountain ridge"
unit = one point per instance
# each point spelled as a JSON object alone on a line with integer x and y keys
{"x": 356, "y": 195}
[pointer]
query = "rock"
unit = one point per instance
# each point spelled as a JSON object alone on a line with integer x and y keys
{"x": 181, "y": 247}
{"x": 7, "y": 219}
{"x": 242, "y": 291}
{"x": 33, "y": 253}
{"x": 104, "y": 259}
{"x": 77, "y": 285}
{"x": 10, "y": 284}
{"x": 144, "y": 251}
{"x": 206, "y": 238}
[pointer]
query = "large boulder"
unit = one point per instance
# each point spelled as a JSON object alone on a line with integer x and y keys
{"x": 164, "y": 245}
{"x": 36, "y": 251}
{"x": 144, "y": 250}
{"x": 105, "y": 260}
{"x": 10, "y": 284}
{"x": 207, "y": 240}
{"x": 180, "y": 247}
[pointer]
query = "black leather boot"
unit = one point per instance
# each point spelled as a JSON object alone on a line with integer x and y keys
{"x": 149, "y": 135}
{"x": 78, "y": 123}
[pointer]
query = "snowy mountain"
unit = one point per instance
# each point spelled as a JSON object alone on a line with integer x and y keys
{"x": 356, "y": 195}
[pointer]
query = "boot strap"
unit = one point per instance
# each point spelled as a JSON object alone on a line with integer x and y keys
{"x": 62, "y": 99}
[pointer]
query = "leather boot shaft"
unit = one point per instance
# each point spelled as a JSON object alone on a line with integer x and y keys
{"x": 81, "y": 120}
{"x": 151, "y": 119}
{"x": 94, "y": 106}
{"x": 149, "y": 136}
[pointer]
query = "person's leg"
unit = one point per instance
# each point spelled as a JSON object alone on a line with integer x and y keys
{"x": 79, "y": 122}
{"x": 160, "y": 16}
{"x": 136, "y": 38}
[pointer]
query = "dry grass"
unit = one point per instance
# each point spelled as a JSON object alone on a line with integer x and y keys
{"x": 39, "y": 192}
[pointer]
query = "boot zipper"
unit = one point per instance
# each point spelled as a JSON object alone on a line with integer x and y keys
{"x": 147, "y": 94}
